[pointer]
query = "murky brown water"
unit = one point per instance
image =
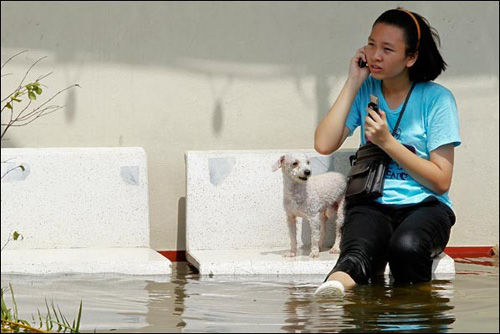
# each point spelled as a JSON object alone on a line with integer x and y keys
{"x": 186, "y": 302}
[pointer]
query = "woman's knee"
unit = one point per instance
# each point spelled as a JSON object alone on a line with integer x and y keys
{"x": 407, "y": 248}
{"x": 409, "y": 259}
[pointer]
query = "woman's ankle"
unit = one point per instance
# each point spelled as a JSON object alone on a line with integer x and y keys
{"x": 343, "y": 278}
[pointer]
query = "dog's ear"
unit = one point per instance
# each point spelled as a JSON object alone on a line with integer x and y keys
{"x": 277, "y": 165}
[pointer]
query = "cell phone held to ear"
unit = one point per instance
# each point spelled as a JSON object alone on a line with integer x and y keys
{"x": 362, "y": 63}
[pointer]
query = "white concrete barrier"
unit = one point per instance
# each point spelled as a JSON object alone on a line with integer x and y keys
{"x": 79, "y": 210}
{"x": 235, "y": 222}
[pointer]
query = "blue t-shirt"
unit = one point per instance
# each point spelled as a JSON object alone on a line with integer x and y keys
{"x": 430, "y": 120}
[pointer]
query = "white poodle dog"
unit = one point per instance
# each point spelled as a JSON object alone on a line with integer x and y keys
{"x": 315, "y": 198}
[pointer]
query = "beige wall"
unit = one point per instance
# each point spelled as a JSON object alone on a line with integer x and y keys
{"x": 179, "y": 76}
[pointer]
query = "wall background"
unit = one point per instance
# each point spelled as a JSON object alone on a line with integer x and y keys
{"x": 177, "y": 76}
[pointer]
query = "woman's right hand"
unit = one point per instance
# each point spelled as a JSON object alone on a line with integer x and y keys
{"x": 332, "y": 131}
{"x": 356, "y": 73}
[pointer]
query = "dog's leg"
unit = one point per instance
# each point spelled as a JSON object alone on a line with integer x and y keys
{"x": 315, "y": 223}
{"x": 339, "y": 221}
{"x": 292, "y": 231}
{"x": 324, "y": 219}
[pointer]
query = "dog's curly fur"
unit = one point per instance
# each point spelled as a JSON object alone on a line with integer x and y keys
{"x": 315, "y": 198}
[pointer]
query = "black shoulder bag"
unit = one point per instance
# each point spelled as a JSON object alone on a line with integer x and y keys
{"x": 365, "y": 180}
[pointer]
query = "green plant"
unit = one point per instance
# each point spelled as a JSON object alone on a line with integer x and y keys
{"x": 21, "y": 111}
{"x": 14, "y": 237}
{"x": 12, "y": 324}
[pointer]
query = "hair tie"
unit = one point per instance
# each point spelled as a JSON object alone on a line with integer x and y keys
{"x": 416, "y": 22}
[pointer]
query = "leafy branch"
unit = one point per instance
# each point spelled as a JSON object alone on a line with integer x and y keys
{"x": 22, "y": 114}
{"x": 14, "y": 237}
{"x": 21, "y": 167}
{"x": 20, "y": 105}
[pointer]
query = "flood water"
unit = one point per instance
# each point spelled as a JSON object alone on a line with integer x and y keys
{"x": 188, "y": 302}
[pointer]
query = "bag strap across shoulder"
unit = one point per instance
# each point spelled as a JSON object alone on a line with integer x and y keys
{"x": 403, "y": 109}
{"x": 354, "y": 157}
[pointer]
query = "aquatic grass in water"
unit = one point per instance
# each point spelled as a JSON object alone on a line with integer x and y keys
{"x": 11, "y": 323}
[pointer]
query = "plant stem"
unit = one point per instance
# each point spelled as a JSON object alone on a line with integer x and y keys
{"x": 18, "y": 324}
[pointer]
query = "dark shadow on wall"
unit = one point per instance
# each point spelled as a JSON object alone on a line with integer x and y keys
{"x": 229, "y": 41}
{"x": 181, "y": 224}
{"x": 9, "y": 143}
{"x": 250, "y": 40}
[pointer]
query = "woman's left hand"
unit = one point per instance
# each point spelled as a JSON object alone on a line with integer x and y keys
{"x": 376, "y": 129}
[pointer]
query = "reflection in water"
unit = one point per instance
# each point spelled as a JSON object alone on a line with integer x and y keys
{"x": 166, "y": 303}
{"x": 110, "y": 302}
{"x": 188, "y": 302}
{"x": 377, "y": 307}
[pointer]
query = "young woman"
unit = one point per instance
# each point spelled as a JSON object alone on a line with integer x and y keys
{"x": 411, "y": 223}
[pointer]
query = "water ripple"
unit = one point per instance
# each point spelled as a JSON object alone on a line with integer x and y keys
{"x": 188, "y": 302}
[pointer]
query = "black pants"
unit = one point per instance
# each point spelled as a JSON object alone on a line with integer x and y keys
{"x": 406, "y": 236}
